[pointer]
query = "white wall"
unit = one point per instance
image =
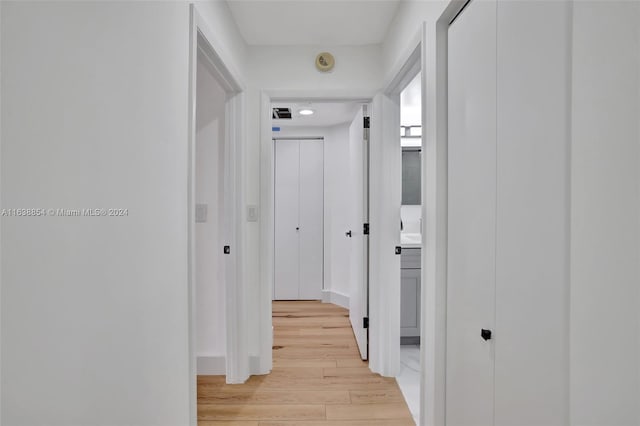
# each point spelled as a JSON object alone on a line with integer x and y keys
{"x": 605, "y": 203}
{"x": 209, "y": 182}
{"x": 95, "y": 309}
{"x": 293, "y": 67}
{"x": 228, "y": 42}
{"x": 336, "y": 197}
{"x": 405, "y": 32}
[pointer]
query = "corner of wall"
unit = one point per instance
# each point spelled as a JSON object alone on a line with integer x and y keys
{"x": 1, "y": 375}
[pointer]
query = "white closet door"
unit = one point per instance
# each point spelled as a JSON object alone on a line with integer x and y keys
{"x": 311, "y": 219}
{"x": 287, "y": 250}
{"x": 534, "y": 117}
{"x": 472, "y": 215}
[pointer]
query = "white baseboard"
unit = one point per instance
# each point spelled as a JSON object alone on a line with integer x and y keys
{"x": 217, "y": 365}
{"x": 211, "y": 365}
{"x": 337, "y": 298}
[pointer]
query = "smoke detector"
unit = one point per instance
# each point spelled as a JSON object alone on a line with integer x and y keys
{"x": 325, "y": 62}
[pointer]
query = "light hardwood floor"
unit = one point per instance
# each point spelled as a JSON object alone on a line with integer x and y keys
{"x": 318, "y": 379}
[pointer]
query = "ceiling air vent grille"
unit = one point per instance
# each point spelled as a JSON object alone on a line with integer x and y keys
{"x": 282, "y": 114}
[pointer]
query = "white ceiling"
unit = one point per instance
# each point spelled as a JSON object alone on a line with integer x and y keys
{"x": 326, "y": 114}
{"x": 313, "y": 22}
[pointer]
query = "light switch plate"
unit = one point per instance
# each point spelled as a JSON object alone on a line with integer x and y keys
{"x": 252, "y": 213}
{"x": 201, "y": 213}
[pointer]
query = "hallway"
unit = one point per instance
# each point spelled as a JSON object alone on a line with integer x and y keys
{"x": 318, "y": 379}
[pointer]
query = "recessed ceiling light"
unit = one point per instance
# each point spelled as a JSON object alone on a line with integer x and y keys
{"x": 306, "y": 111}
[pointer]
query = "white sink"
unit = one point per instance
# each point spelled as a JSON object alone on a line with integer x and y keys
{"x": 410, "y": 239}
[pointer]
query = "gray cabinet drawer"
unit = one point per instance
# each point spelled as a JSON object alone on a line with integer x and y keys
{"x": 410, "y": 258}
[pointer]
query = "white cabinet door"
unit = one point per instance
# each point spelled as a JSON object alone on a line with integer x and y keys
{"x": 287, "y": 194}
{"x": 311, "y": 219}
{"x": 472, "y": 215}
{"x": 299, "y": 216}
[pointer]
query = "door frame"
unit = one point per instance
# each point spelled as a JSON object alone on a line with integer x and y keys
{"x": 384, "y": 353}
{"x": 401, "y": 77}
{"x": 433, "y": 353}
{"x": 204, "y": 41}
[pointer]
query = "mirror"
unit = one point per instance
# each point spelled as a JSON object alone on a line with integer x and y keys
{"x": 411, "y": 176}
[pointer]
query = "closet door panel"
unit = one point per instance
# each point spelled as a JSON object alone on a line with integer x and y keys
{"x": 531, "y": 377}
{"x": 472, "y": 215}
{"x": 287, "y": 193}
{"x": 311, "y": 219}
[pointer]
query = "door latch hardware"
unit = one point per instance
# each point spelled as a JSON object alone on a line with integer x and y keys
{"x": 398, "y": 250}
{"x": 485, "y": 334}
{"x": 227, "y": 249}
{"x": 365, "y": 322}
{"x": 365, "y": 229}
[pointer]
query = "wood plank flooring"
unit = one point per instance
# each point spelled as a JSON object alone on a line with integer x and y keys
{"x": 318, "y": 379}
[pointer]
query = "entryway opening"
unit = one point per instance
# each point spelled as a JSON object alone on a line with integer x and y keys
{"x": 216, "y": 312}
{"x": 320, "y": 181}
{"x": 411, "y": 243}
{"x": 211, "y": 217}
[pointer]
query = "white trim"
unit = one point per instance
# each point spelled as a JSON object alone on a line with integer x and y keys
{"x": 211, "y": 365}
{"x": 335, "y": 297}
{"x": 1, "y": 399}
{"x": 266, "y": 224}
{"x": 191, "y": 241}
{"x": 203, "y": 40}
{"x": 216, "y": 365}
{"x": 237, "y": 324}
{"x": 433, "y": 354}
{"x": 409, "y": 64}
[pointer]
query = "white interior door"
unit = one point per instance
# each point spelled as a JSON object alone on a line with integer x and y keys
{"x": 471, "y": 215}
{"x": 287, "y": 194}
{"x": 358, "y": 294}
{"x": 311, "y": 209}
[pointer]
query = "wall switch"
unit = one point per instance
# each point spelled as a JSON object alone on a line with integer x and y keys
{"x": 201, "y": 213}
{"x": 252, "y": 213}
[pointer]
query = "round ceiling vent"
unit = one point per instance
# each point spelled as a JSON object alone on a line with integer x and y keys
{"x": 325, "y": 62}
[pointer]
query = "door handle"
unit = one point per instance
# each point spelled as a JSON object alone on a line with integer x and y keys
{"x": 485, "y": 334}
{"x": 297, "y": 228}
{"x": 348, "y": 233}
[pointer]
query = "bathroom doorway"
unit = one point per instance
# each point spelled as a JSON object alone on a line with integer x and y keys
{"x": 411, "y": 243}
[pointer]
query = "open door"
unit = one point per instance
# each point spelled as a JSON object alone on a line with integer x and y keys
{"x": 359, "y": 276}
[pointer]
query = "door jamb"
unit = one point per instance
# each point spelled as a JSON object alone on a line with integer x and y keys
{"x": 202, "y": 39}
{"x": 435, "y": 192}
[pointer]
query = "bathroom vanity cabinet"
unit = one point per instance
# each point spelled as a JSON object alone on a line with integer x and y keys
{"x": 410, "y": 274}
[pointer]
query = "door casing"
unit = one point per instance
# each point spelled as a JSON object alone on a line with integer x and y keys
{"x": 384, "y": 330}
{"x": 202, "y": 39}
